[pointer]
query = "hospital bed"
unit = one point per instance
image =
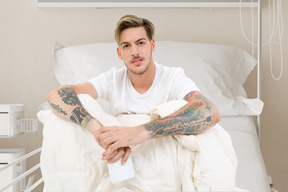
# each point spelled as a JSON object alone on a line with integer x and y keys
{"x": 218, "y": 70}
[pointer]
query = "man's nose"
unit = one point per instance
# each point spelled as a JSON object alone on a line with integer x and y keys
{"x": 135, "y": 51}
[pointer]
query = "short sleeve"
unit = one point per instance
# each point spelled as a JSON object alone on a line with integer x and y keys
{"x": 103, "y": 84}
{"x": 182, "y": 85}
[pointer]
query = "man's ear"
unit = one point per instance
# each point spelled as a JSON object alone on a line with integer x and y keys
{"x": 119, "y": 53}
{"x": 153, "y": 45}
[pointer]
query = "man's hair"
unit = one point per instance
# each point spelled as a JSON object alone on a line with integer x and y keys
{"x": 131, "y": 21}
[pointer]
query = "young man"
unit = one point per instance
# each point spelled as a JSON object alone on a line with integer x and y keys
{"x": 139, "y": 87}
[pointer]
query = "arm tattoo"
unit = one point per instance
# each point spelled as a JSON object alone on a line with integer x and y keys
{"x": 69, "y": 96}
{"x": 80, "y": 116}
{"x": 193, "y": 118}
{"x": 57, "y": 108}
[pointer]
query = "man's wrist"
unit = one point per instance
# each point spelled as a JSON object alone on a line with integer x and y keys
{"x": 93, "y": 125}
{"x": 85, "y": 122}
{"x": 144, "y": 133}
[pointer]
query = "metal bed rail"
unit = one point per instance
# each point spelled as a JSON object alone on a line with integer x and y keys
{"x": 29, "y": 187}
{"x": 259, "y": 49}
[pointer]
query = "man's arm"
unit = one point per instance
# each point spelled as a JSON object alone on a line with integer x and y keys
{"x": 195, "y": 117}
{"x": 198, "y": 115}
{"x": 66, "y": 105}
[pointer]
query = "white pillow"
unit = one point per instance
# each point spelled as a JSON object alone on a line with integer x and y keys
{"x": 219, "y": 71}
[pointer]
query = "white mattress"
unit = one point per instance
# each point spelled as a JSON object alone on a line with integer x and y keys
{"x": 251, "y": 171}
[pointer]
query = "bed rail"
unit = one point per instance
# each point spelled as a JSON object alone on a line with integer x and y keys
{"x": 29, "y": 187}
{"x": 259, "y": 64}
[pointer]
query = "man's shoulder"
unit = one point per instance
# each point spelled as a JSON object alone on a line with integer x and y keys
{"x": 113, "y": 74}
{"x": 168, "y": 69}
{"x": 115, "y": 71}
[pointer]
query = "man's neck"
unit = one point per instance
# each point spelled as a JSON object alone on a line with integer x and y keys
{"x": 143, "y": 82}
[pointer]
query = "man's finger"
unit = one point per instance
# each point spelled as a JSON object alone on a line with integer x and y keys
{"x": 117, "y": 156}
{"x": 126, "y": 155}
{"x": 110, "y": 149}
{"x": 104, "y": 135}
{"x": 108, "y": 141}
{"x": 114, "y": 153}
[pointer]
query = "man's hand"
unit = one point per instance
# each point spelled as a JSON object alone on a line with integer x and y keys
{"x": 94, "y": 127}
{"x": 113, "y": 138}
{"x": 117, "y": 154}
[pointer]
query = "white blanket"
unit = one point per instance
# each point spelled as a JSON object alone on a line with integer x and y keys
{"x": 71, "y": 158}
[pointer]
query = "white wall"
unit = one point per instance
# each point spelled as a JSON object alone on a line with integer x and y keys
{"x": 28, "y": 34}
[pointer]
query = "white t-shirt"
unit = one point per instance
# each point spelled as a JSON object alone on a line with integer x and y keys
{"x": 115, "y": 87}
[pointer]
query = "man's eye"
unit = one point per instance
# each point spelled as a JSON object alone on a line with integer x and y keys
{"x": 125, "y": 46}
{"x": 141, "y": 43}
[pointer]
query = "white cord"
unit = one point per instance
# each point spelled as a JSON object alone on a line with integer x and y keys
{"x": 275, "y": 31}
{"x": 280, "y": 35}
{"x": 279, "y": 22}
{"x": 274, "y": 25}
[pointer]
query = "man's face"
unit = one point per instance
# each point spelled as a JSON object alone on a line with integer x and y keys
{"x": 135, "y": 49}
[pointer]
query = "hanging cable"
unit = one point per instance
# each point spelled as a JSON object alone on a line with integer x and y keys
{"x": 271, "y": 35}
{"x": 279, "y": 32}
{"x": 275, "y": 32}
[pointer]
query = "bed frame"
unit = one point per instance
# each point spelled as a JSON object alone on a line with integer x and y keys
{"x": 29, "y": 186}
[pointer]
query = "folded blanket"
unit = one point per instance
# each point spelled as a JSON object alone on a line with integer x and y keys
{"x": 71, "y": 158}
{"x": 212, "y": 158}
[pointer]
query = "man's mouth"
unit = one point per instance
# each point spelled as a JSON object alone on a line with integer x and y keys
{"x": 137, "y": 60}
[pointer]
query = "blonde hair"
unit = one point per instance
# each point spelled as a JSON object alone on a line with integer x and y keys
{"x": 131, "y": 21}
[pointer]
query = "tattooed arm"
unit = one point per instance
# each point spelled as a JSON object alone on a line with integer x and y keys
{"x": 198, "y": 115}
{"x": 195, "y": 117}
{"x": 66, "y": 105}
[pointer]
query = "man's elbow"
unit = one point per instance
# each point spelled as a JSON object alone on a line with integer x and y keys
{"x": 216, "y": 116}
{"x": 51, "y": 95}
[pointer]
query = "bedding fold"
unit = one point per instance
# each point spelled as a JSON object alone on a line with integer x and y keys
{"x": 211, "y": 155}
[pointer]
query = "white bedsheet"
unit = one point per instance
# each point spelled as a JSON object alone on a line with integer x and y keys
{"x": 251, "y": 172}
{"x": 70, "y": 158}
